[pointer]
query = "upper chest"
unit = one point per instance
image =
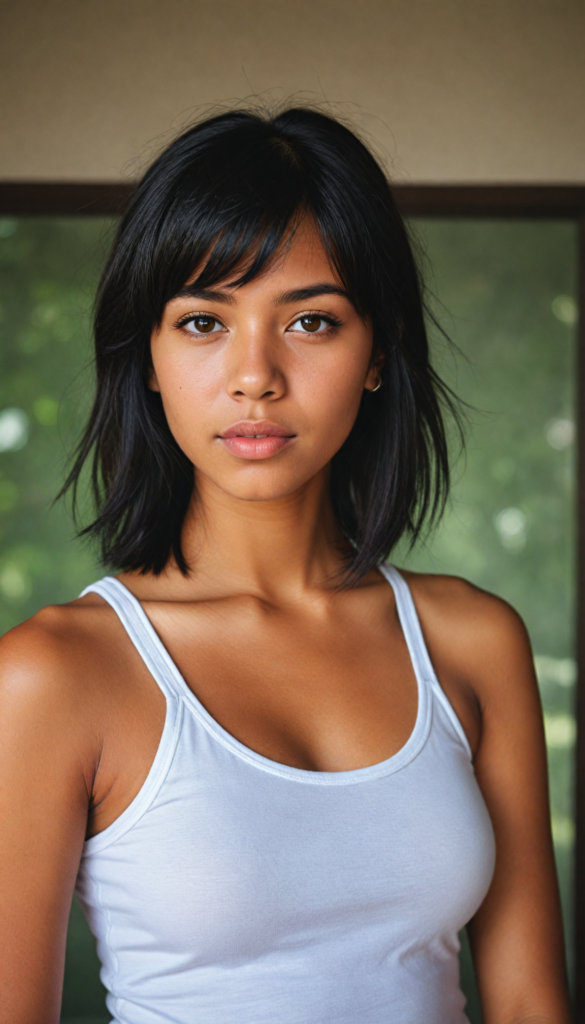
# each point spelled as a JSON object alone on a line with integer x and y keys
{"x": 331, "y": 690}
{"x": 321, "y": 689}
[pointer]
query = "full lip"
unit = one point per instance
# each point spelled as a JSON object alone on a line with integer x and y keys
{"x": 256, "y": 428}
{"x": 256, "y": 439}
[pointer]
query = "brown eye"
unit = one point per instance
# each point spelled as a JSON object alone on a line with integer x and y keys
{"x": 311, "y": 323}
{"x": 200, "y": 323}
{"x": 204, "y": 324}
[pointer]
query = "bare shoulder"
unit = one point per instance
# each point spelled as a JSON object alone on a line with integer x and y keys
{"x": 476, "y": 637}
{"x": 51, "y": 643}
{"x": 459, "y": 603}
{"x": 53, "y": 665}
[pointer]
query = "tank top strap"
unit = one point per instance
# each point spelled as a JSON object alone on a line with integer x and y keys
{"x": 141, "y": 632}
{"x": 410, "y": 624}
{"x": 419, "y": 654}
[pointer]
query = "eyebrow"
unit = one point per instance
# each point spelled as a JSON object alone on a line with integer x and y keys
{"x": 190, "y": 291}
{"x": 301, "y": 294}
{"x": 296, "y": 295}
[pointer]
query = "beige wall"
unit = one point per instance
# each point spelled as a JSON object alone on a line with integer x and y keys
{"x": 450, "y": 90}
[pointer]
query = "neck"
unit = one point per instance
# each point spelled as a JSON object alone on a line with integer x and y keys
{"x": 274, "y": 547}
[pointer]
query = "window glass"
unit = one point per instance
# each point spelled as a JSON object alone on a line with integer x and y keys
{"x": 504, "y": 292}
{"x": 48, "y": 273}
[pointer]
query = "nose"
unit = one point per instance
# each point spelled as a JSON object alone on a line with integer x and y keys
{"x": 253, "y": 370}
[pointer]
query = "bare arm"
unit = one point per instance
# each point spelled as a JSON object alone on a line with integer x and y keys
{"x": 517, "y": 934}
{"x": 43, "y": 815}
{"x": 480, "y": 647}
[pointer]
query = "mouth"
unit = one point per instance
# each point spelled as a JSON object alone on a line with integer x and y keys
{"x": 258, "y": 439}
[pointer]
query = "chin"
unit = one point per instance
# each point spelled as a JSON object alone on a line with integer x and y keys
{"x": 263, "y": 486}
{"x": 260, "y": 492}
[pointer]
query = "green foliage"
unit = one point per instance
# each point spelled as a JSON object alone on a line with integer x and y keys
{"x": 505, "y": 293}
{"x": 510, "y": 525}
{"x": 48, "y": 273}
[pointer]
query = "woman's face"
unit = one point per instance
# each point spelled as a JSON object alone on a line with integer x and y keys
{"x": 261, "y": 384}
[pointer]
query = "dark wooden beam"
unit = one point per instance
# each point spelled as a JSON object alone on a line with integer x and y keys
{"x": 534, "y": 201}
{"x": 19, "y": 198}
{"x": 63, "y": 198}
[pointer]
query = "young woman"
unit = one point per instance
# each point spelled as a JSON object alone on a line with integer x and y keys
{"x": 281, "y": 774}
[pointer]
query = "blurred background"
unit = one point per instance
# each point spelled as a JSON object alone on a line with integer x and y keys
{"x": 454, "y": 96}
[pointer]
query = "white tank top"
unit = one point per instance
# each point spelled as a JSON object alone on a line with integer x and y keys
{"x": 237, "y": 890}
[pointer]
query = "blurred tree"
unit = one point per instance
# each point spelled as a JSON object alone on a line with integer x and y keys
{"x": 48, "y": 273}
{"x": 49, "y": 269}
{"x": 505, "y": 291}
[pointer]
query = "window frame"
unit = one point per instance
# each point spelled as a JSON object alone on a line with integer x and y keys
{"x": 560, "y": 202}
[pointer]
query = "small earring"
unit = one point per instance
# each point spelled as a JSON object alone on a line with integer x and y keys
{"x": 378, "y": 385}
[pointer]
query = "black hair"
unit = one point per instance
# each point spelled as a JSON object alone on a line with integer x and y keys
{"x": 224, "y": 196}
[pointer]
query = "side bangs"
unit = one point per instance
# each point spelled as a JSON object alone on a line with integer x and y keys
{"x": 247, "y": 253}
{"x": 228, "y": 229}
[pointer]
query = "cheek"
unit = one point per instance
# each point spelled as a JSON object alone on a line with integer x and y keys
{"x": 188, "y": 387}
{"x": 184, "y": 369}
{"x": 332, "y": 388}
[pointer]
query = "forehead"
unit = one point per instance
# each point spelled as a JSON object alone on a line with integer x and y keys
{"x": 300, "y": 260}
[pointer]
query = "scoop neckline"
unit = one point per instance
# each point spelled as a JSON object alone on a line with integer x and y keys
{"x": 402, "y": 757}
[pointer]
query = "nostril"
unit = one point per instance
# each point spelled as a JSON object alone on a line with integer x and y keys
{"x": 245, "y": 394}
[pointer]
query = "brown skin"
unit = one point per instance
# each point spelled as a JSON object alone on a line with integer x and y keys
{"x": 298, "y": 670}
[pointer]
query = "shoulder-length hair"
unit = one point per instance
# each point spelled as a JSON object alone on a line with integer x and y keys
{"x": 223, "y": 197}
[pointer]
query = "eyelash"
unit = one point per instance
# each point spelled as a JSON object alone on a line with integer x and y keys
{"x": 327, "y": 317}
{"x": 184, "y": 320}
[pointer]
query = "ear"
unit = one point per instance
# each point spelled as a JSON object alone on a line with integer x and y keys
{"x": 375, "y": 371}
{"x": 152, "y": 380}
